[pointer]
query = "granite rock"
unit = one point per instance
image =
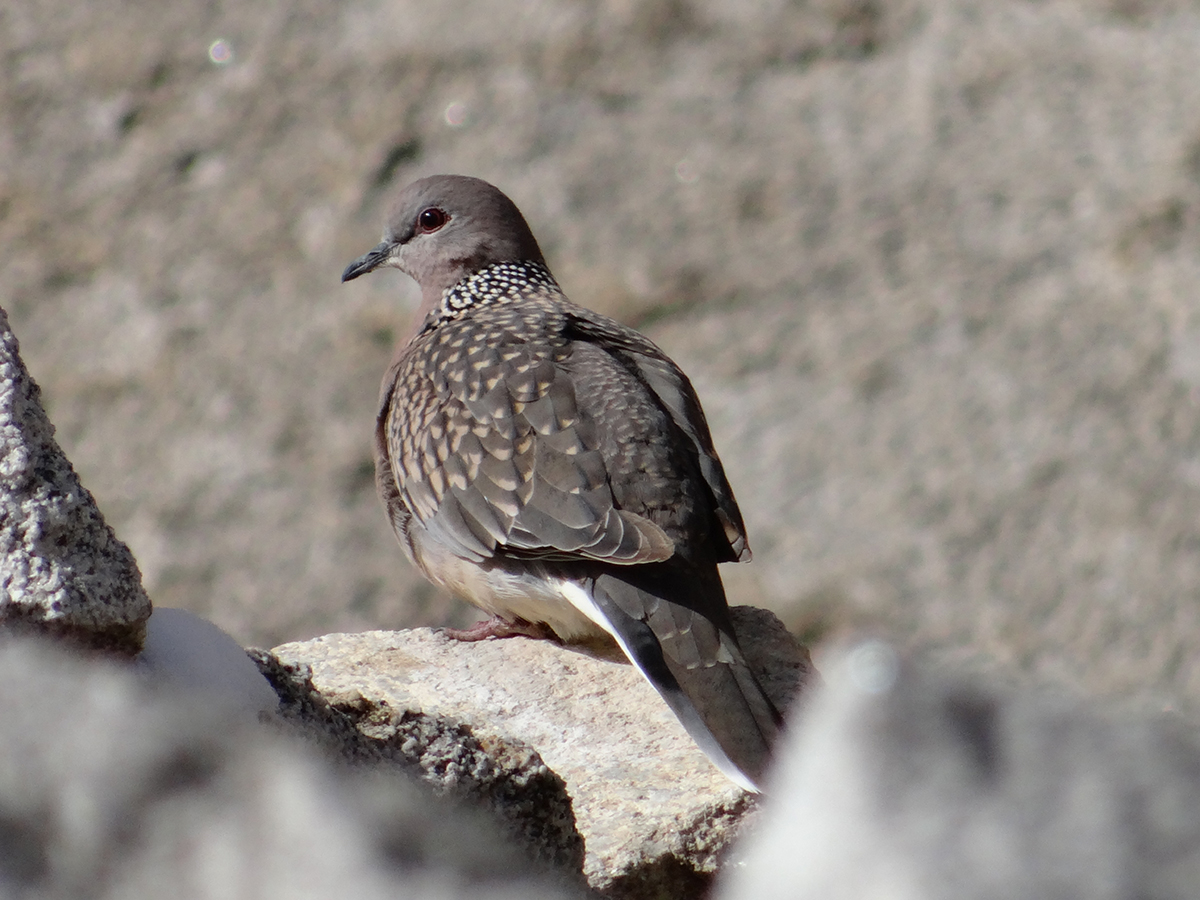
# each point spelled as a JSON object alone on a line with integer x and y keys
{"x": 62, "y": 570}
{"x": 505, "y": 779}
{"x": 655, "y": 815}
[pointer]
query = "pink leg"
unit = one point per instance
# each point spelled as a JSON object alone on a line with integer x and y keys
{"x": 501, "y": 628}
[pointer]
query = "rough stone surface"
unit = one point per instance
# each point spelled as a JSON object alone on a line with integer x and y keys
{"x": 505, "y": 778}
{"x": 904, "y": 781}
{"x": 109, "y": 790}
{"x": 656, "y": 816}
{"x": 62, "y": 570}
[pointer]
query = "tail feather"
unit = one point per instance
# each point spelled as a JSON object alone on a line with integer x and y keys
{"x": 673, "y": 624}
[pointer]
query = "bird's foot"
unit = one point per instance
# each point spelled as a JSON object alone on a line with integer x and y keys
{"x": 498, "y": 627}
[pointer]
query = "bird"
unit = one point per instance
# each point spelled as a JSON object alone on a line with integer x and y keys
{"x": 554, "y": 467}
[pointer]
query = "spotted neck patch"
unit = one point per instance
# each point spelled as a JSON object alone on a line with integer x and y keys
{"x": 498, "y": 283}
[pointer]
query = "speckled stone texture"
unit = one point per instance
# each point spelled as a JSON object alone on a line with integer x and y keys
{"x": 656, "y": 816}
{"x": 62, "y": 570}
{"x": 506, "y": 779}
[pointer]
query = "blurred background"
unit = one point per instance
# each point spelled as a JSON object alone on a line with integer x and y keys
{"x": 932, "y": 266}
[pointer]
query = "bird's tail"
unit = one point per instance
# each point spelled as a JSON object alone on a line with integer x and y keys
{"x": 673, "y": 623}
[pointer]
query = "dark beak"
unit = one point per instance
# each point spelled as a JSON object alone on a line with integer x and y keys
{"x": 368, "y": 261}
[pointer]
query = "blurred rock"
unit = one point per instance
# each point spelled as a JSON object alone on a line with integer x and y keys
{"x": 62, "y": 570}
{"x": 190, "y": 653}
{"x": 655, "y": 815}
{"x": 109, "y": 790}
{"x": 905, "y": 781}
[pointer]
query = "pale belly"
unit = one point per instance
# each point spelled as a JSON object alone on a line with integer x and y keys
{"x": 533, "y": 595}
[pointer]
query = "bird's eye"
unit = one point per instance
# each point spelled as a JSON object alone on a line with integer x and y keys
{"x": 431, "y": 219}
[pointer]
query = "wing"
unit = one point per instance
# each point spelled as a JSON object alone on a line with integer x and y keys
{"x": 489, "y": 449}
{"x": 582, "y": 440}
{"x": 672, "y": 389}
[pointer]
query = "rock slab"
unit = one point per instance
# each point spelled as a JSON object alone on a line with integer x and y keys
{"x": 656, "y": 816}
{"x": 506, "y": 780}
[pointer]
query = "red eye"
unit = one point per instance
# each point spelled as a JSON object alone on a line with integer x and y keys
{"x": 431, "y": 219}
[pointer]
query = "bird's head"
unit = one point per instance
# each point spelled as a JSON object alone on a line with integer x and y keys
{"x": 445, "y": 228}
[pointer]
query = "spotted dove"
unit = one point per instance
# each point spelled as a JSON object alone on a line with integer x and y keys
{"x": 554, "y": 467}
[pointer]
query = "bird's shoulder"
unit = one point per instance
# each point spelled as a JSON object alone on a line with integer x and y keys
{"x": 466, "y": 353}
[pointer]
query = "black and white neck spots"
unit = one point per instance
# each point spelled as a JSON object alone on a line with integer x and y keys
{"x": 498, "y": 283}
